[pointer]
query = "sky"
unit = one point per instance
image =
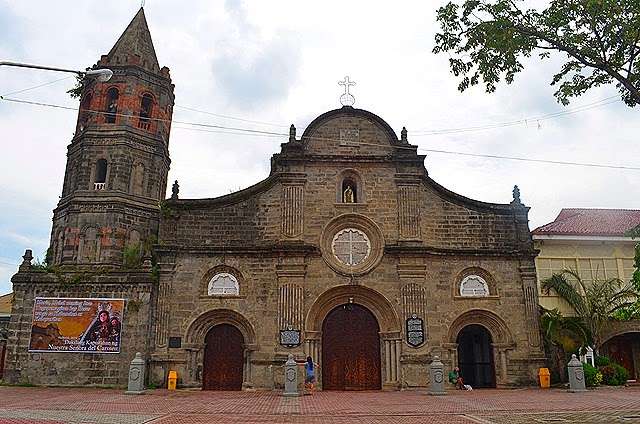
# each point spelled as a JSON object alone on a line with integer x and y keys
{"x": 262, "y": 66}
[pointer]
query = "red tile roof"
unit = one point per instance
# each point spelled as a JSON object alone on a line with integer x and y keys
{"x": 591, "y": 222}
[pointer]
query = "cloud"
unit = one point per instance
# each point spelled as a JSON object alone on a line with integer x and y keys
{"x": 254, "y": 72}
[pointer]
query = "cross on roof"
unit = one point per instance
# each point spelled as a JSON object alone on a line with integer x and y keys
{"x": 346, "y": 84}
{"x": 347, "y": 99}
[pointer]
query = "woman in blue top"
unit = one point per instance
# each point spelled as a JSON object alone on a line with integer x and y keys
{"x": 310, "y": 376}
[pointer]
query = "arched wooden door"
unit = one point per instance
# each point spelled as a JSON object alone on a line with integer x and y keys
{"x": 351, "y": 350}
{"x": 475, "y": 357}
{"x": 223, "y": 359}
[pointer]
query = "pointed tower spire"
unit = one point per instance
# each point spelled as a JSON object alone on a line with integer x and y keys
{"x": 118, "y": 160}
{"x": 134, "y": 47}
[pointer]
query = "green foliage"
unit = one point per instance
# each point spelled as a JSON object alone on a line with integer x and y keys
{"x": 567, "y": 333}
{"x": 43, "y": 265}
{"x": 487, "y": 41}
{"x": 613, "y": 375}
{"x": 152, "y": 385}
{"x": 155, "y": 274}
{"x": 601, "y": 361}
{"x": 594, "y": 303}
{"x": 76, "y": 91}
{"x": 72, "y": 279}
{"x": 132, "y": 256}
{"x": 590, "y": 375}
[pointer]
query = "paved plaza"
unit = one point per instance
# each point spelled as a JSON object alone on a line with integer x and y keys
{"x": 19, "y": 405}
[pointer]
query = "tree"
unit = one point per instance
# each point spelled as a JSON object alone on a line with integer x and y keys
{"x": 596, "y": 302}
{"x": 489, "y": 39}
{"x": 561, "y": 336}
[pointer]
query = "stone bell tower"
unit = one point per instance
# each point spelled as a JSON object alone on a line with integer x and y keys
{"x": 118, "y": 159}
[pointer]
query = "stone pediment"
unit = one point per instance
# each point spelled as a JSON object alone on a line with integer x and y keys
{"x": 350, "y": 132}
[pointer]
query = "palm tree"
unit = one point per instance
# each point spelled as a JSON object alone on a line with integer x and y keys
{"x": 562, "y": 335}
{"x": 593, "y": 302}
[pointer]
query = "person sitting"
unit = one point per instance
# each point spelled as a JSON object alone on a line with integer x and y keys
{"x": 455, "y": 379}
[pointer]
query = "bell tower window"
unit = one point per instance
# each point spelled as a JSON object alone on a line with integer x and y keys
{"x": 145, "y": 112}
{"x": 101, "y": 175}
{"x": 112, "y": 106}
{"x": 85, "y": 110}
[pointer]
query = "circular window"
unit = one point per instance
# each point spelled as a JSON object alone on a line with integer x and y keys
{"x": 352, "y": 244}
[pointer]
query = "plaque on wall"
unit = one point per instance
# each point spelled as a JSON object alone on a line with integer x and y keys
{"x": 175, "y": 342}
{"x": 290, "y": 337}
{"x": 415, "y": 331}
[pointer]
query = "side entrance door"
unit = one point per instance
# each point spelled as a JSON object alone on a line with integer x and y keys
{"x": 475, "y": 357}
{"x": 351, "y": 350}
{"x": 223, "y": 359}
{"x": 621, "y": 352}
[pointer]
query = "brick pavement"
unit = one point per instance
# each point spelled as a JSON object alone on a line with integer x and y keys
{"x": 21, "y": 405}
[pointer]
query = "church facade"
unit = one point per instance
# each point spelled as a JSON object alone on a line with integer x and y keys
{"x": 347, "y": 252}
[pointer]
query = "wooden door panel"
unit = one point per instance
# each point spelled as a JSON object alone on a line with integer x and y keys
{"x": 621, "y": 352}
{"x": 223, "y": 359}
{"x": 351, "y": 350}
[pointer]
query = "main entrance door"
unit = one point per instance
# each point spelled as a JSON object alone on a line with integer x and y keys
{"x": 223, "y": 359}
{"x": 351, "y": 349}
{"x": 475, "y": 357}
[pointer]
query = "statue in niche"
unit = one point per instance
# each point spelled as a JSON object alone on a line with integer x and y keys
{"x": 347, "y": 196}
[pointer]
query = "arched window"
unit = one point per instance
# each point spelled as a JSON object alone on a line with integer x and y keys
{"x": 112, "y": 106}
{"x": 146, "y": 105}
{"x": 100, "y": 180}
{"x": 475, "y": 286}
{"x": 223, "y": 283}
{"x": 85, "y": 110}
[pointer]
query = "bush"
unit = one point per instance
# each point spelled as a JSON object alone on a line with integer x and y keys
{"x": 590, "y": 375}
{"x": 614, "y": 375}
{"x": 602, "y": 361}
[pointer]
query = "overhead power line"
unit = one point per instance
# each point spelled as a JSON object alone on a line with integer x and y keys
{"x": 195, "y": 126}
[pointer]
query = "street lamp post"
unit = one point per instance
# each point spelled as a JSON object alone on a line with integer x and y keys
{"x": 101, "y": 75}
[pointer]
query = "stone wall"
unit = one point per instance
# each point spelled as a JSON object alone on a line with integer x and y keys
{"x": 82, "y": 369}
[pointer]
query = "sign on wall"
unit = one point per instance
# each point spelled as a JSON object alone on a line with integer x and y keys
{"x": 76, "y": 325}
{"x": 415, "y": 331}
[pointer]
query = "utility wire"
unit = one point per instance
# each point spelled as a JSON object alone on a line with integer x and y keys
{"x": 244, "y": 131}
{"x": 555, "y": 162}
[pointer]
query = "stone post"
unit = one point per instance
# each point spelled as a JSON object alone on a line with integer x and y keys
{"x": 436, "y": 378}
{"x": 290, "y": 377}
{"x": 136, "y": 376}
{"x": 576, "y": 376}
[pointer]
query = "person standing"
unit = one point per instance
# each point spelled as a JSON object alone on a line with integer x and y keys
{"x": 310, "y": 376}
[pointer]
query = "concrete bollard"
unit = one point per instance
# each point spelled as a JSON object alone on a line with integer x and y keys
{"x": 136, "y": 376}
{"x": 577, "y": 382}
{"x": 436, "y": 378}
{"x": 290, "y": 377}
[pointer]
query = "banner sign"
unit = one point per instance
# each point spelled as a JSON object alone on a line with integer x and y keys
{"x": 76, "y": 325}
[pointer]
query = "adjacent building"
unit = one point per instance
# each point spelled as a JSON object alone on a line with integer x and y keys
{"x": 593, "y": 243}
